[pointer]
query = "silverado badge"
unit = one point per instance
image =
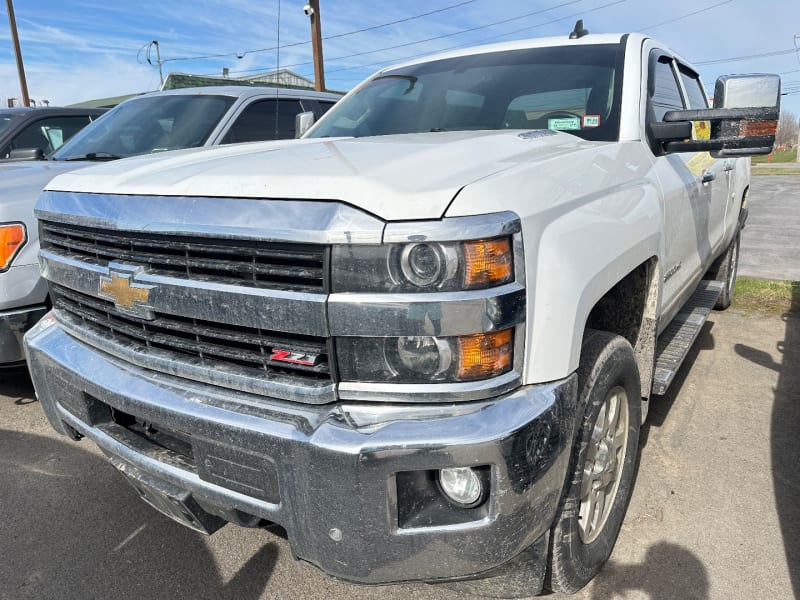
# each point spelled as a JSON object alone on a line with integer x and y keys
{"x": 129, "y": 298}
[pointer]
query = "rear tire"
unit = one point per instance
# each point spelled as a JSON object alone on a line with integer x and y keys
{"x": 603, "y": 463}
{"x": 726, "y": 272}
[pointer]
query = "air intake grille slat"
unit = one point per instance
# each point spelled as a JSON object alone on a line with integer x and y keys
{"x": 195, "y": 340}
{"x": 268, "y": 265}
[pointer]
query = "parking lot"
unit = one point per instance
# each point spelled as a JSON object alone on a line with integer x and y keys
{"x": 714, "y": 513}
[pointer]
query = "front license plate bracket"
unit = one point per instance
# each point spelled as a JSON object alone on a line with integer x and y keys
{"x": 168, "y": 499}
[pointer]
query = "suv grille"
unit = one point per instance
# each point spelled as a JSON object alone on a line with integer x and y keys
{"x": 247, "y": 350}
{"x": 281, "y": 266}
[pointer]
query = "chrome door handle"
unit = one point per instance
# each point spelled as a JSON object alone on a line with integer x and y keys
{"x": 728, "y": 167}
{"x": 708, "y": 177}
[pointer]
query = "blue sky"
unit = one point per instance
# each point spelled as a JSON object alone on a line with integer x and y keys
{"x": 77, "y": 50}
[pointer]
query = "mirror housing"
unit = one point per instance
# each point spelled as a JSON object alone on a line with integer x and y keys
{"x": 26, "y": 154}
{"x": 302, "y": 123}
{"x": 743, "y": 122}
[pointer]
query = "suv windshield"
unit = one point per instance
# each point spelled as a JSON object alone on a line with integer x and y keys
{"x": 574, "y": 89}
{"x": 148, "y": 124}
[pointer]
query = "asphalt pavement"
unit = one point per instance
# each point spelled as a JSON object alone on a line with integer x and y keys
{"x": 771, "y": 239}
{"x": 714, "y": 513}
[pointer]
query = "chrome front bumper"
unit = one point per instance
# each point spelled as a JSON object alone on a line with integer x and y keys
{"x": 340, "y": 478}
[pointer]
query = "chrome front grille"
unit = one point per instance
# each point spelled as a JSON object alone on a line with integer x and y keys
{"x": 201, "y": 350}
{"x": 266, "y": 265}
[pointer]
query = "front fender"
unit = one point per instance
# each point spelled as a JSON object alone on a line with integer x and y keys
{"x": 587, "y": 222}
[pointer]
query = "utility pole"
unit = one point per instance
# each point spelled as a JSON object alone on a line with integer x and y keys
{"x": 20, "y": 68}
{"x": 312, "y": 10}
{"x": 158, "y": 60}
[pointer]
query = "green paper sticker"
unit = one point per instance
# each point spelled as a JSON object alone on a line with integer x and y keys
{"x": 568, "y": 124}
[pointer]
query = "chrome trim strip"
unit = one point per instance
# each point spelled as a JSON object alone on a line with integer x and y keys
{"x": 430, "y": 392}
{"x": 453, "y": 229}
{"x": 274, "y": 310}
{"x": 272, "y": 385}
{"x": 267, "y": 220}
{"x": 442, "y": 313}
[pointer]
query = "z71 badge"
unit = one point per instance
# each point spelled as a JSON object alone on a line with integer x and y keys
{"x": 295, "y": 358}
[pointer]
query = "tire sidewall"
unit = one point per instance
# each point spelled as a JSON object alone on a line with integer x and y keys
{"x": 576, "y": 561}
{"x": 727, "y": 273}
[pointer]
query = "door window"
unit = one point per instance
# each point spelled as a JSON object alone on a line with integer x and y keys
{"x": 265, "y": 120}
{"x": 664, "y": 94}
{"x": 48, "y": 134}
{"x": 694, "y": 89}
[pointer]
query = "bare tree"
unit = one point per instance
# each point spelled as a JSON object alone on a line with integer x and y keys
{"x": 788, "y": 129}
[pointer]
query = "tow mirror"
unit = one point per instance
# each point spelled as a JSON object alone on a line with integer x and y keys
{"x": 302, "y": 123}
{"x": 743, "y": 122}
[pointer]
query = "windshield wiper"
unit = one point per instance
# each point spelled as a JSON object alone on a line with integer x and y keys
{"x": 94, "y": 156}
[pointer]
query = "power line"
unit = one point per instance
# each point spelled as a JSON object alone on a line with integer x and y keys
{"x": 691, "y": 14}
{"x": 454, "y": 33}
{"x": 339, "y": 35}
{"x": 471, "y": 29}
{"x": 572, "y": 16}
{"x": 330, "y": 37}
{"x": 747, "y": 57}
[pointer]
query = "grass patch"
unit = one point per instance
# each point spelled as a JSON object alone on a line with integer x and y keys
{"x": 767, "y": 295}
{"x": 773, "y": 171}
{"x": 779, "y": 156}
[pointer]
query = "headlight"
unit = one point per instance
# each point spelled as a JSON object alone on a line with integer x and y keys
{"x": 422, "y": 266}
{"x": 425, "y": 359}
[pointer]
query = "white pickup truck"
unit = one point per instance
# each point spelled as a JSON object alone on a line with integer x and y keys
{"x": 423, "y": 338}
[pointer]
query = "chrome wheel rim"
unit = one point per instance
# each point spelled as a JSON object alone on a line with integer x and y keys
{"x": 605, "y": 457}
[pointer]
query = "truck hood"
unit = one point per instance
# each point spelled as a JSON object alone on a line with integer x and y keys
{"x": 397, "y": 177}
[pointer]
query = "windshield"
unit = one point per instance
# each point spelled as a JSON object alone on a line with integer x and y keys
{"x": 148, "y": 124}
{"x": 574, "y": 89}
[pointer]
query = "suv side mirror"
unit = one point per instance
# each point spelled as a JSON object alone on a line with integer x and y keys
{"x": 302, "y": 123}
{"x": 744, "y": 119}
{"x": 26, "y": 154}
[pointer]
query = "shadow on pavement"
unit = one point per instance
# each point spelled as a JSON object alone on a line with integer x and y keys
{"x": 15, "y": 382}
{"x": 71, "y": 527}
{"x": 785, "y": 448}
{"x": 661, "y": 405}
{"x": 668, "y": 572}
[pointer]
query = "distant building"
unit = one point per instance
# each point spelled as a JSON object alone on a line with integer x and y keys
{"x": 283, "y": 78}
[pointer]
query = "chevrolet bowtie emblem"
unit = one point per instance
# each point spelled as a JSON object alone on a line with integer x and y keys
{"x": 128, "y": 297}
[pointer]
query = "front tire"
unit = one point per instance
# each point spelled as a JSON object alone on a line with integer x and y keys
{"x": 728, "y": 267}
{"x": 603, "y": 462}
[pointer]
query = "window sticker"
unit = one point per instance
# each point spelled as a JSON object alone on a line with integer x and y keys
{"x": 591, "y": 120}
{"x": 569, "y": 124}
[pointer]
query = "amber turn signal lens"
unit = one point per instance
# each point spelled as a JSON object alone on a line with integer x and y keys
{"x": 488, "y": 262}
{"x": 755, "y": 128}
{"x": 484, "y": 355}
{"x": 11, "y": 239}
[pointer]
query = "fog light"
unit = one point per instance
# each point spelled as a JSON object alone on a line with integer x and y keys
{"x": 462, "y": 485}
